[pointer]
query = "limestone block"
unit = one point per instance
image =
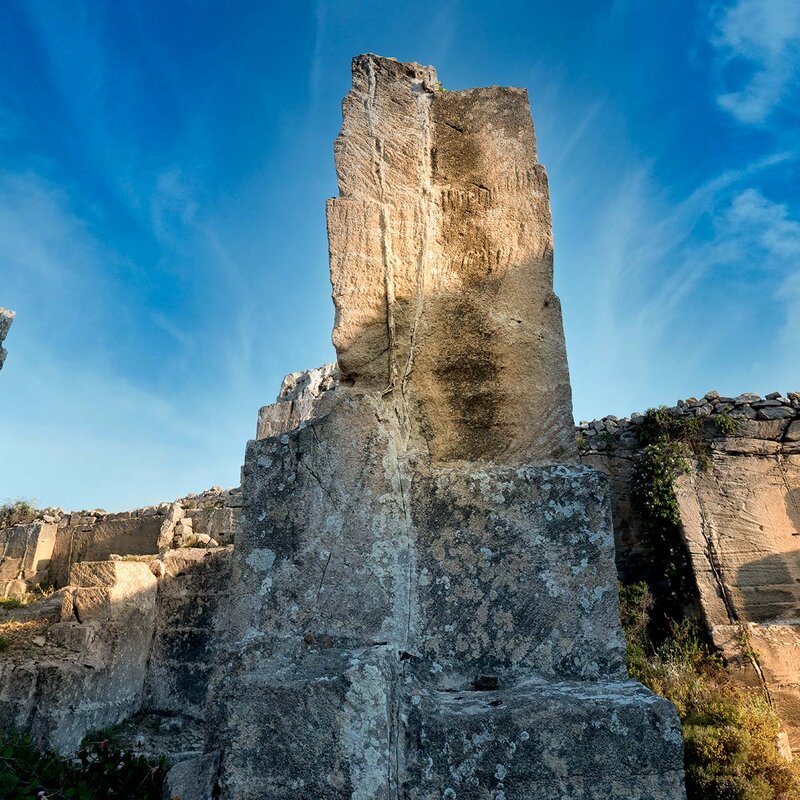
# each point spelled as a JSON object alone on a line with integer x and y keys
{"x": 609, "y": 741}
{"x": 190, "y": 622}
{"x": 26, "y": 552}
{"x": 319, "y": 727}
{"x": 324, "y": 545}
{"x": 441, "y": 265}
{"x": 96, "y": 679}
{"x": 515, "y": 571}
{"x": 629, "y": 553}
{"x": 110, "y": 590}
{"x": 303, "y": 396}
{"x": 84, "y": 540}
{"x": 192, "y": 779}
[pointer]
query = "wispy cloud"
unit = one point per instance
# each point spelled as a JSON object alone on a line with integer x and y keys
{"x": 757, "y": 43}
{"x": 648, "y": 267}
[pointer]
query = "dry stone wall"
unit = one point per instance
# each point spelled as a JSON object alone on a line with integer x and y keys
{"x": 740, "y": 517}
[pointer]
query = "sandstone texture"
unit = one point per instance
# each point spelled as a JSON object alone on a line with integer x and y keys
{"x": 6, "y": 318}
{"x": 740, "y": 520}
{"x": 441, "y": 257}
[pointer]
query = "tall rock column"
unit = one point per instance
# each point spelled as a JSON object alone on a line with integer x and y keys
{"x": 424, "y": 587}
{"x": 441, "y": 255}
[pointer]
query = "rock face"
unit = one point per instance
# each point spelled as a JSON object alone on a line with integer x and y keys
{"x": 425, "y": 600}
{"x": 43, "y": 552}
{"x": 6, "y": 318}
{"x": 134, "y": 631}
{"x": 421, "y": 600}
{"x": 441, "y": 257}
{"x": 303, "y": 396}
{"x": 130, "y": 642}
{"x": 740, "y": 519}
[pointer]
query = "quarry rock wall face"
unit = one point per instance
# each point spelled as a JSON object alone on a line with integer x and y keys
{"x": 134, "y": 631}
{"x": 43, "y": 552}
{"x": 424, "y": 599}
{"x": 6, "y": 318}
{"x": 740, "y": 518}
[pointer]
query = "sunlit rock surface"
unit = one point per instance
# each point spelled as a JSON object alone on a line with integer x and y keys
{"x": 425, "y": 596}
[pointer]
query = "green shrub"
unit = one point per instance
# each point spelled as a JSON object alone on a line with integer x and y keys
{"x": 729, "y": 732}
{"x": 726, "y": 424}
{"x": 100, "y": 771}
{"x": 5, "y": 643}
{"x": 18, "y": 512}
{"x": 10, "y": 602}
{"x": 653, "y": 496}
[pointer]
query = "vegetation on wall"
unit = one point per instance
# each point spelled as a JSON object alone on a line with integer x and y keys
{"x": 100, "y": 771}
{"x": 730, "y": 733}
{"x": 668, "y": 448}
{"x": 18, "y": 512}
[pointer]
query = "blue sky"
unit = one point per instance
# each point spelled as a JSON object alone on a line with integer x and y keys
{"x": 163, "y": 172}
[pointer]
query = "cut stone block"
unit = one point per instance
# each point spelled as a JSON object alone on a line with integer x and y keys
{"x": 582, "y": 741}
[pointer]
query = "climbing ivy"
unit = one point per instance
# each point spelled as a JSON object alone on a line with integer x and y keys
{"x": 669, "y": 447}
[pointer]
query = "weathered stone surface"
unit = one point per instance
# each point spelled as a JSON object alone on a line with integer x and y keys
{"x": 25, "y": 555}
{"x": 210, "y": 518}
{"x": 193, "y": 779}
{"x": 544, "y": 741}
{"x": 90, "y": 674}
{"x": 191, "y": 611}
{"x": 515, "y": 573}
{"x": 318, "y": 725}
{"x": 741, "y": 522}
{"x": 6, "y": 318}
{"x": 303, "y": 396}
{"x": 442, "y": 235}
{"x": 745, "y": 536}
{"x": 405, "y": 548}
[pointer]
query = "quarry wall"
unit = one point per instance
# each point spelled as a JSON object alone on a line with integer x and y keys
{"x": 41, "y": 553}
{"x": 740, "y": 521}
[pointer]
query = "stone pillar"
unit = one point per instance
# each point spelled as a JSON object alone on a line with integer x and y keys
{"x": 441, "y": 254}
{"x": 424, "y": 595}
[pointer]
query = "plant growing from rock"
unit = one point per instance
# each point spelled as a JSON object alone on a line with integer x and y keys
{"x": 18, "y": 512}
{"x": 726, "y": 424}
{"x": 663, "y": 458}
{"x": 730, "y": 750}
{"x": 99, "y": 770}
